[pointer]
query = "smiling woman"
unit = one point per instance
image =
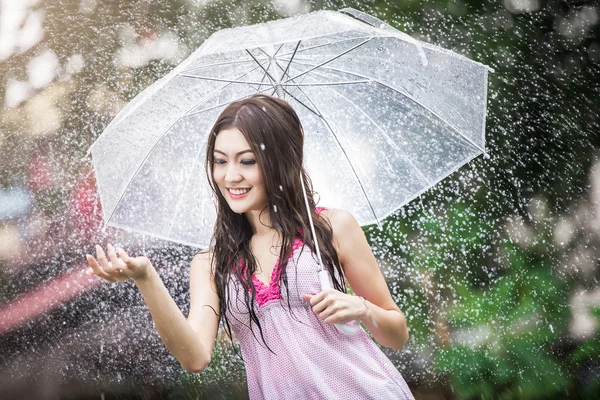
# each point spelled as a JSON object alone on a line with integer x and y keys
{"x": 261, "y": 244}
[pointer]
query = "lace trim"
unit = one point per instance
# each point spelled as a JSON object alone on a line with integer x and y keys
{"x": 266, "y": 293}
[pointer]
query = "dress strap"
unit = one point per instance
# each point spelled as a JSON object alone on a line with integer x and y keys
{"x": 319, "y": 209}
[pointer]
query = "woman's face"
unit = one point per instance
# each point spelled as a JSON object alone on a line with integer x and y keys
{"x": 236, "y": 172}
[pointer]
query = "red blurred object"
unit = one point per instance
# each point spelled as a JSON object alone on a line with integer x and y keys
{"x": 145, "y": 37}
{"x": 85, "y": 204}
{"x": 46, "y": 297}
{"x": 40, "y": 177}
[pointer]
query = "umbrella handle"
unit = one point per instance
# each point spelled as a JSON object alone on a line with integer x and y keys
{"x": 346, "y": 329}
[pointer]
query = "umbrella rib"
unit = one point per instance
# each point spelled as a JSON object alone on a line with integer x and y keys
{"x": 328, "y": 83}
{"x": 274, "y": 54}
{"x": 222, "y": 104}
{"x": 262, "y": 83}
{"x": 270, "y": 62}
{"x": 294, "y": 97}
{"x": 208, "y": 97}
{"x": 261, "y": 66}
{"x": 287, "y": 67}
{"x": 217, "y": 64}
{"x": 408, "y": 96}
{"x": 222, "y": 80}
{"x": 297, "y": 85}
{"x": 320, "y": 83}
{"x": 262, "y": 80}
{"x": 316, "y": 46}
{"x": 351, "y": 166}
{"x": 302, "y": 103}
{"x": 330, "y": 60}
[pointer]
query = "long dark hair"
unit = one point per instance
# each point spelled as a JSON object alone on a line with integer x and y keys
{"x": 272, "y": 128}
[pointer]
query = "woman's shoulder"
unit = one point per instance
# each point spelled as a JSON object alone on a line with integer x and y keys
{"x": 341, "y": 218}
{"x": 347, "y": 232}
{"x": 341, "y": 221}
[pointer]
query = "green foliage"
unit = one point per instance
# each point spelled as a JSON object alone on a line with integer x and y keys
{"x": 508, "y": 331}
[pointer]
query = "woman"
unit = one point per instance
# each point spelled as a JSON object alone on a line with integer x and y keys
{"x": 282, "y": 319}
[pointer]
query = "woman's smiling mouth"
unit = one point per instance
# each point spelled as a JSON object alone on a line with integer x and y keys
{"x": 238, "y": 193}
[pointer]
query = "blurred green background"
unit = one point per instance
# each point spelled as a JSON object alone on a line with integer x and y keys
{"x": 496, "y": 268}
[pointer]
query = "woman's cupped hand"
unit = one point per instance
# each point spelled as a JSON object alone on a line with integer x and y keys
{"x": 116, "y": 265}
{"x": 333, "y": 306}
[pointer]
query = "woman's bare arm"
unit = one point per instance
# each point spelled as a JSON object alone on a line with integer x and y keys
{"x": 204, "y": 301}
{"x": 386, "y": 322}
{"x": 190, "y": 340}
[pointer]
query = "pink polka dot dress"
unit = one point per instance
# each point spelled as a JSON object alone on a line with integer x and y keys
{"x": 312, "y": 360}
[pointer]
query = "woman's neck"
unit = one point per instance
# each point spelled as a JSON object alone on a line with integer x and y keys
{"x": 260, "y": 222}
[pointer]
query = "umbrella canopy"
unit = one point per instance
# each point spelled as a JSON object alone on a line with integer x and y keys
{"x": 385, "y": 118}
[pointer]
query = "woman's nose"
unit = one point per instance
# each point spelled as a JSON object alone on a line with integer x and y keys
{"x": 232, "y": 174}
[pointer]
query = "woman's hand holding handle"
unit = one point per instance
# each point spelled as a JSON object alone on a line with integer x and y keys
{"x": 117, "y": 266}
{"x": 344, "y": 312}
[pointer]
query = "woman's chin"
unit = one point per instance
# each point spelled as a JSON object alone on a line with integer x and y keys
{"x": 238, "y": 209}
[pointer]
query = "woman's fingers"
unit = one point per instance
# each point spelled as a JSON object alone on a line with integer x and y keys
{"x": 117, "y": 264}
{"x": 93, "y": 264}
{"x": 330, "y": 306}
{"x": 322, "y": 300}
{"x": 102, "y": 260}
{"x": 109, "y": 268}
{"x": 124, "y": 256}
{"x": 114, "y": 266}
{"x": 97, "y": 268}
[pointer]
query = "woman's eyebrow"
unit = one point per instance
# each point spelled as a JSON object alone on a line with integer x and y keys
{"x": 239, "y": 153}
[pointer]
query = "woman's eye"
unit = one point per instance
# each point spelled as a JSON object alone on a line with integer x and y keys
{"x": 248, "y": 162}
{"x": 219, "y": 161}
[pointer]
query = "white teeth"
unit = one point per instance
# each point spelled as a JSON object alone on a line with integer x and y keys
{"x": 239, "y": 191}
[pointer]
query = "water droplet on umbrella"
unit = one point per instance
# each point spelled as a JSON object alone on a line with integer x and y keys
{"x": 281, "y": 188}
{"x": 262, "y": 146}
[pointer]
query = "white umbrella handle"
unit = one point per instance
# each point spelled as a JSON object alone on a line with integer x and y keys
{"x": 346, "y": 329}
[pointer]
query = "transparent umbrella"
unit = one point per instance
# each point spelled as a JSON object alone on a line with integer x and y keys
{"x": 385, "y": 118}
